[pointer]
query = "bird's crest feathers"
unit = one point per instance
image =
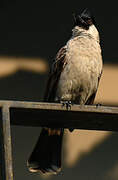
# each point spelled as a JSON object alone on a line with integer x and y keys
{"x": 84, "y": 20}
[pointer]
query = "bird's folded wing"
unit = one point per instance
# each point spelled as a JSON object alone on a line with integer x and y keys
{"x": 54, "y": 75}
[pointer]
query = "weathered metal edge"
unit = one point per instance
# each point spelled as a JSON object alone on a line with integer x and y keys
{"x": 58, "y": 106}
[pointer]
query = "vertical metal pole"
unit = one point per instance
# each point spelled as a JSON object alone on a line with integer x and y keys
{"x": 5, "y": 143}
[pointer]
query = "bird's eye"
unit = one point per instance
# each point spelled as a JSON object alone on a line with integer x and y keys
{"x": 89, "y": 21}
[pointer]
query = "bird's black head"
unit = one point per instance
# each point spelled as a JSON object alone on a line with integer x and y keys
{"x": 84, "y": 20}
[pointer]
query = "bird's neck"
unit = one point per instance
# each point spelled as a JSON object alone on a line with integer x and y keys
{"x": 80, "y": 32}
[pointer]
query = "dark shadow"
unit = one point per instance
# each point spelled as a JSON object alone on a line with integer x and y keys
{"x": 40, "y": 28}
{"x": 94, "y": 165}
{"x": 23, "y": 86}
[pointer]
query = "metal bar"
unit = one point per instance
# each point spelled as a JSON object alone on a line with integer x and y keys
{"x": 49, "y": 115}
{"x": 58, "y": 106}
{"x": 65, "y": 119}
{"x": 54, "y": 115}
{"x": 6, "y": 150}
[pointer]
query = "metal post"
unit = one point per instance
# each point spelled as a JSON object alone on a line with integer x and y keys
{"x": 6, "y": 169}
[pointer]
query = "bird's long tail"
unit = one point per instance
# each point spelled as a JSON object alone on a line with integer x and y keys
{"x": 46, "y": 156}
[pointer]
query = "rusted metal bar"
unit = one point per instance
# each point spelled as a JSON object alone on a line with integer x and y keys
{"x": 55, "y": 115}
{"x": 6, "y": 171}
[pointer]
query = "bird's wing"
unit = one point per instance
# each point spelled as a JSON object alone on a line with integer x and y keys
{"x": 91, "y": 99}
{"x": 54, "y": 75}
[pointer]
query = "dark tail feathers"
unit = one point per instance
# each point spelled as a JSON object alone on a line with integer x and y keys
{"x": 46, "y": 156}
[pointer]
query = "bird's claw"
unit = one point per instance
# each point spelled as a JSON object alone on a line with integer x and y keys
{"x": 68, "y": 104}
{"x": 98, "y": 105}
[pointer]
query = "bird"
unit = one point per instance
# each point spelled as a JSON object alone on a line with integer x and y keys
{"x": 74, "y": 77}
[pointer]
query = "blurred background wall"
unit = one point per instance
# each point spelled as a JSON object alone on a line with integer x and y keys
{"x": 31, "y": 33}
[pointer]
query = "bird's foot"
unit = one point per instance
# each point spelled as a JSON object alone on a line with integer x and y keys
{"x": 68, "y": 104}
{"x": 98, "y": 105}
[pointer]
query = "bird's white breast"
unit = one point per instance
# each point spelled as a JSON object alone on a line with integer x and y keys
{"x": 84, "y": 65}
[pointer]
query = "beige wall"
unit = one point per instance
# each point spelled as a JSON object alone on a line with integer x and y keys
{"x": 108, "y": 87}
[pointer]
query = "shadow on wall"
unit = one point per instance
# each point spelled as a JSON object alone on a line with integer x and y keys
{"x": 22, "y": 86}
{"x": 22, "y": 78}
{"x": 100, "y": 163}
